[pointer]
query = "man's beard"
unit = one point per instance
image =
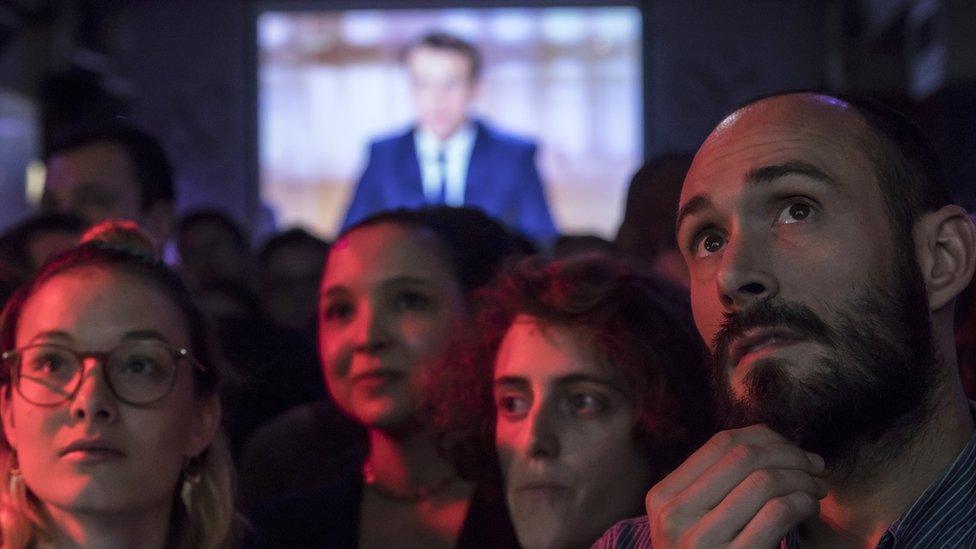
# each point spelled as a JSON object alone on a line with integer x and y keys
{"x": 872, "y": 386}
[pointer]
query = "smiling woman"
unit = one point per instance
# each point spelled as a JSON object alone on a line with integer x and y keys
{"x": 588, "y": 383}
{"x": 395, "y": 288}
{"x": 110, "y": 416}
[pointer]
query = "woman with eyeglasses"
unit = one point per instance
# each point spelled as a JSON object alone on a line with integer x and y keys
{"x": 110, "y": 410}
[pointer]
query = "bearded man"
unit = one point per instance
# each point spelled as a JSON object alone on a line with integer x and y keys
{"x": 825, "y": 256}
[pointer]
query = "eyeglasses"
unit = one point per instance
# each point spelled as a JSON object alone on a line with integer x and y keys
{"x": 139, "y": 373}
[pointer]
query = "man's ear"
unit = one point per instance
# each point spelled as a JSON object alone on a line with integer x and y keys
{"x": 945, "y": 246}
{"x": 7, "y": 413}
{"x": 205, "y": 425}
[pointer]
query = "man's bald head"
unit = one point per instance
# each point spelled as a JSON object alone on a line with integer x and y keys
{"x": 909, "y": 175}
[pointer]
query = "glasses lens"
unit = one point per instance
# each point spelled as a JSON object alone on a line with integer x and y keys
{"x": 142, "y": 372}
{"x": 47, "y": 374}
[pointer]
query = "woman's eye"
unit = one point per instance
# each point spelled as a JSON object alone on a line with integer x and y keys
{"x": 511, "y": 406}
{"x": 337, "y": 311}
{"x": 797, "y": 211}
{"x": 48, "y": 363}
{"x": 411, "y": 301}
{"x": 709, "y": 244}
{"x": 141, "y": 366}
{"x": 585, "y": 404}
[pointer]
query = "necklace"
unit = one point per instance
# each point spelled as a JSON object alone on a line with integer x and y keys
{"x": 417, "y": 494}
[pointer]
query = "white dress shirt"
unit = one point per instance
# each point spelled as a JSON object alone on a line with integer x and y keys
{"x": 457, "y": 155}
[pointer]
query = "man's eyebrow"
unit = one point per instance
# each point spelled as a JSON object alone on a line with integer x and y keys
{"x": 694, "y": 205}
{"x": 764, "y": 174}
{"x": 768, "y": 174}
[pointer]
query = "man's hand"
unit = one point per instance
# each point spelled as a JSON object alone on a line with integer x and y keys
{"x": 744, "y": 488}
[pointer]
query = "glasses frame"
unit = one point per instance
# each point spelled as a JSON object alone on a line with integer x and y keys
{"x": 180, "y": 354}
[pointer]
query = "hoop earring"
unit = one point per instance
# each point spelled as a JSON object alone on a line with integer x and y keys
{"x": 191, "y": 477}
{"x": 15, "y": 480}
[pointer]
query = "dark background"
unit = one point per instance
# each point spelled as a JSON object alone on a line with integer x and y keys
{"x": 185, "y": 70}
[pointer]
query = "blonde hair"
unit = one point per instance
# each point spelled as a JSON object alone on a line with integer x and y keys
{"x": 208, "y": 522}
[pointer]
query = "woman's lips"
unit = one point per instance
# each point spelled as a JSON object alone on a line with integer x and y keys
{"x": 91, "y": 451}
{"x": 377, "y": 379}
{"x": 542, "y": 491}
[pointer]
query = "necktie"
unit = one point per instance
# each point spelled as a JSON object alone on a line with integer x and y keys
{"x": 440, "y": 197}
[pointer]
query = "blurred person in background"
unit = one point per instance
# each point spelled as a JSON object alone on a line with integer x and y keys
{"x": 33, "y": 241}
{"x": 289, "y": 267}
{"x": 646, "y": 235}
{"x": 111, "y": 170}
{"x": 26, "y": 246}
{"x": 213, "y": 249}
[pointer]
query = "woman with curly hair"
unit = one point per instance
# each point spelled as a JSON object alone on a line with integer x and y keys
{"x": 587, "y": 382}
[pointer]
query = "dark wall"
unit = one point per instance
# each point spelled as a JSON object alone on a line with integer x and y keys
{"x": 706, "y": 57}
{"x": 188, "y": 64}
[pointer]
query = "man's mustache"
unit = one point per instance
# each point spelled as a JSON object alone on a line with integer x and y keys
{"x": 769, "y": 313}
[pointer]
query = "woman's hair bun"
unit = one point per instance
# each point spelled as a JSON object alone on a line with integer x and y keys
{"x": 122, "y": 234}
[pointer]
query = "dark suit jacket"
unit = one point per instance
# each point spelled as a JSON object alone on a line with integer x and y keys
{"x": 502, "y": 181}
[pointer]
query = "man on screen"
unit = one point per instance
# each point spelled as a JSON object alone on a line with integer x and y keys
{"x": 825, "y": 258}
{"x": 449, "y": 157}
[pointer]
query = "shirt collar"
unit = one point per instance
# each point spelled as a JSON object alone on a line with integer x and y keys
{"x": 429, "y": 146}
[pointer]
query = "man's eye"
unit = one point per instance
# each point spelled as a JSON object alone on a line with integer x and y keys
{"x": 797, "y": 211}
{"x": 709, "y": 244}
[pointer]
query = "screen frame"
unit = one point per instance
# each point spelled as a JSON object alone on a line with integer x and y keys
{"x": 262, "y": 6}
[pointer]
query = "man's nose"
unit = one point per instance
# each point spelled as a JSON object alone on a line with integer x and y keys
{"x": 746, "y": 273}
{"x": 94, "y": 399}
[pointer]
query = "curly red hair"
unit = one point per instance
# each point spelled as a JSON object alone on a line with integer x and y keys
{"x": 640, "y": 324}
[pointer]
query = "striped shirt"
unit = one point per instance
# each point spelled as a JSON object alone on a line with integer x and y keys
{"x": 943, "y": 516}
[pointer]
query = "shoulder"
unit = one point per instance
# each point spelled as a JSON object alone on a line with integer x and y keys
{"x": 503, "y": 139}
{"x": 393, "y": 139}
{"x": 634, "y": 533}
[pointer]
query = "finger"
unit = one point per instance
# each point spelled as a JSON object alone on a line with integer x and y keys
{"x": 741, "y": 461}
{"x": 670, "y": 513}
{"x": 724, "y": 522}
{"x": 710, "y": 453}
{"x": 776, "y": 518}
